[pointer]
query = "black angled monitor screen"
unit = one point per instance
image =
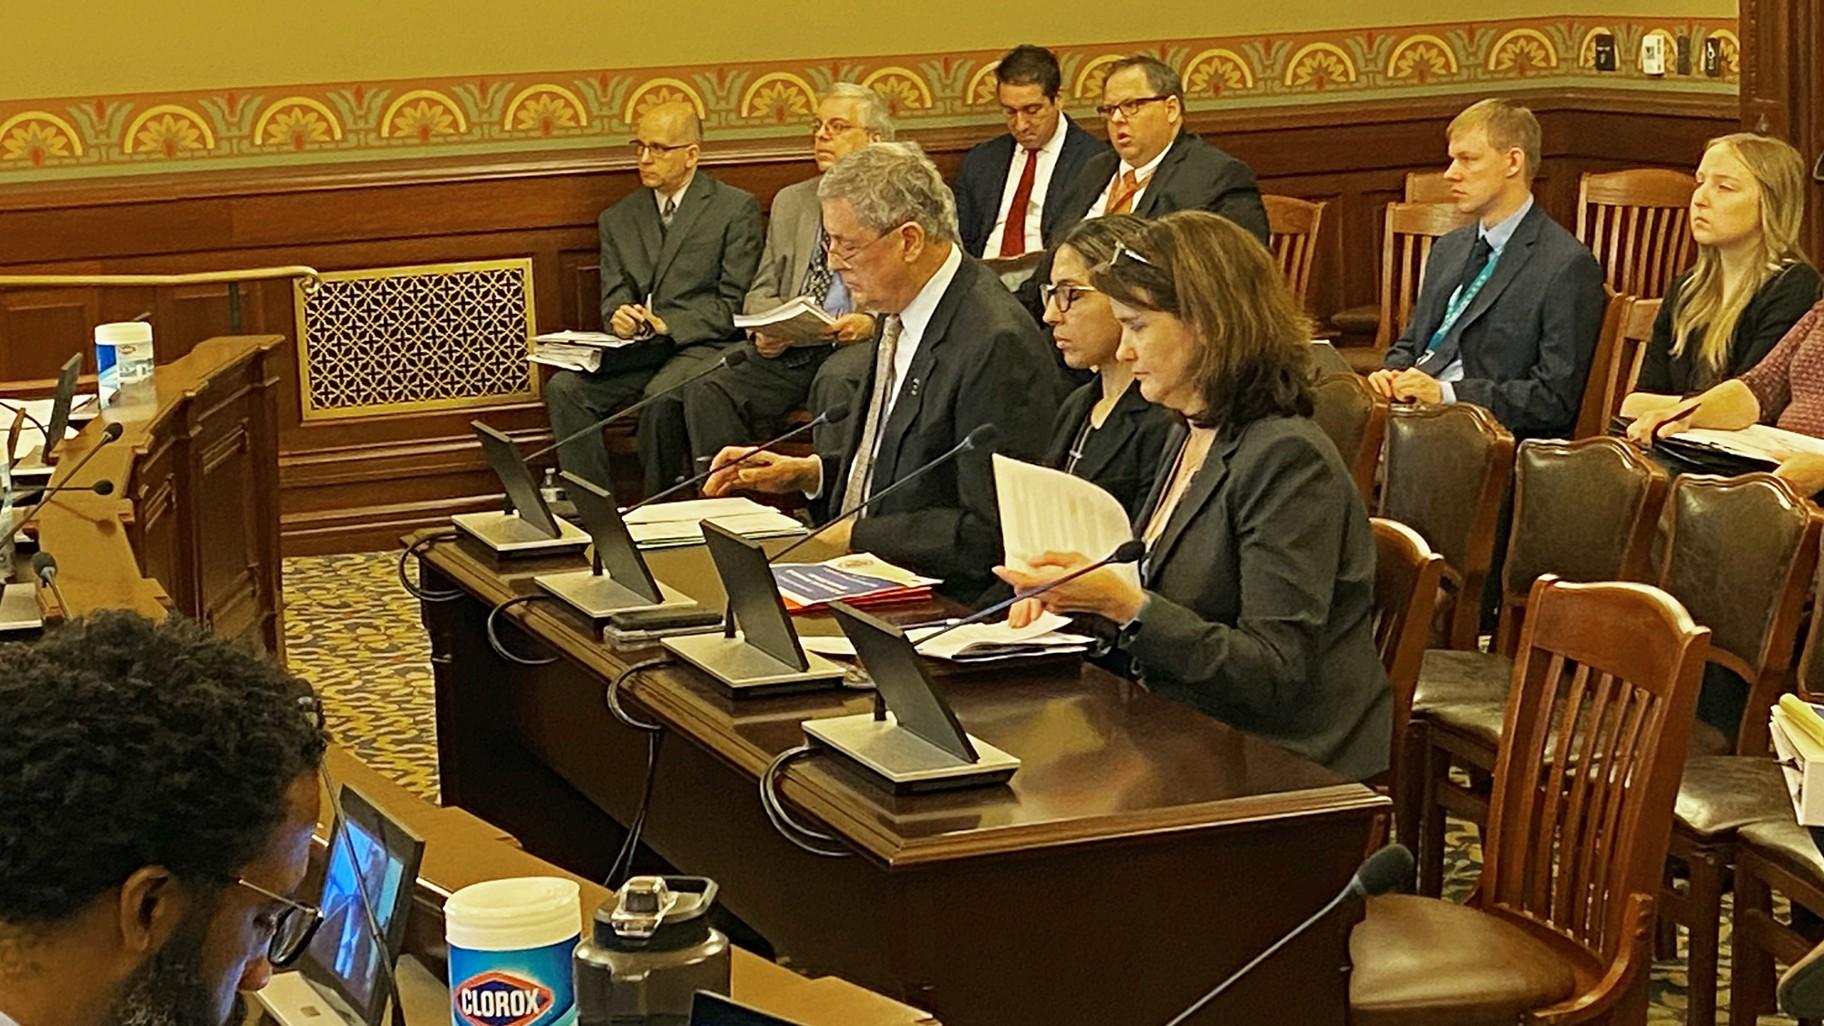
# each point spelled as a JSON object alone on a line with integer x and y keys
{"x": 369, "y": 850}
{"x": 753, "y": 595}
{"x": 899, "y": 674}
{"x": 615, "y": 550}
{"x": 708, "y": 1009}
{"x": 516, "y": 478}
{"x": 60, "y": 405}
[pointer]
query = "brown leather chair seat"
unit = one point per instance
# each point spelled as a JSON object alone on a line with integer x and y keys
{"x": 1454, "y": 677}
{"x": 1785, "y": 839}
{"x": 1437, "y": 963}
{"x": 1482, "y": 720}
{"x": 1722, "y": 793}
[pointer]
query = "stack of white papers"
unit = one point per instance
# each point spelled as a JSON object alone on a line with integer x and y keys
{"x": 1045, "y": 510}
{"x": 575, "y": 350}
{"x": 668, "y": 524}
{"x": 801, "y": 319}
{"x": 978, "y": 642}
{"x": 1759, "y": 442}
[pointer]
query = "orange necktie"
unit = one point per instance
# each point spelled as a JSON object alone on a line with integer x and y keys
{"x": 1129, "y": 186}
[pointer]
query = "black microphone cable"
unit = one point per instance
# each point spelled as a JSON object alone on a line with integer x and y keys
{"x": 494, "y": 633}
{"x": 411, "y": 551}
{"x": 655, "y": 736}
{"x": 813, "y": 841}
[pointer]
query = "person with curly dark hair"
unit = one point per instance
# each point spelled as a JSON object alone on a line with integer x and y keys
{"x": 157, "y": 797}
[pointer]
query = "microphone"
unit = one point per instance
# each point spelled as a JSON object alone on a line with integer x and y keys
{"x": 1129, "y": 551}
{"x": 732, "y": 358}
{"x": 831, "y": 416}
{"x": 44, "y": 567}
{"x": 1381, "y": 872}
{"x": 109, "y": 435}
{"x": 36, "y": 495}
{"x": 982, "y": 437}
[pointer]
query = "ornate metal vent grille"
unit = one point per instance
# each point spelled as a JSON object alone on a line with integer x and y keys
{"x": 433, "y": 337}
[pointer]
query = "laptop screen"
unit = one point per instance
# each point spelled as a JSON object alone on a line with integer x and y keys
{"x": 383, "y": 857}
{"x": 708, "y": 1009}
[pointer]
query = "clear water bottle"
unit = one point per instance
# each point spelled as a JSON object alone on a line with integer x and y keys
{"x": 550, "y": 490}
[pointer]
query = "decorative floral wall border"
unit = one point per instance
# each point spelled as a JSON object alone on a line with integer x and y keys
{"x": 114, "y": 135}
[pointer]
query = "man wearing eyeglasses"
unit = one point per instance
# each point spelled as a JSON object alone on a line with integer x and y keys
{"x": 748, "y": 402}
{"x": 678, "y": 255}
{"x": 954, "y": 353}
{"x": 158, "y": 792}
{"x": 1010, "y": 189}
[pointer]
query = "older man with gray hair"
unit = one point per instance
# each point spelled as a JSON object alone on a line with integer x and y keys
{"x": 750, "y": 401}
{"x": 955, "y": 351}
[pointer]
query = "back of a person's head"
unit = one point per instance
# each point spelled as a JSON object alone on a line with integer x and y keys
{"x": 892, "y": 183}
{"x": 1216, "y": 277}
{"x": 1509, "y": 127}
{"x": 126, "y": 744}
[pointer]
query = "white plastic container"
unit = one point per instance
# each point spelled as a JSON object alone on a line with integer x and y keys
{"x": 510, "y": 947}
{"x": 123, "y": 354}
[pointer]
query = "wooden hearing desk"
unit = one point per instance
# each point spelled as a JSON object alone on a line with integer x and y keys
{"x": 1142, "y": 852}
{"x": 192, "y": 525}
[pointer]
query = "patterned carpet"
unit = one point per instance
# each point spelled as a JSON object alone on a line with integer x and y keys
{"x": 354, "y": 633}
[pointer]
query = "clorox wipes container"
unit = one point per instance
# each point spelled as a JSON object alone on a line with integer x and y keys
{"x": 510, "y": 945}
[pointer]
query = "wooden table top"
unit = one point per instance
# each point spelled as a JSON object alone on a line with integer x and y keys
{"x": 1102, "y": 758}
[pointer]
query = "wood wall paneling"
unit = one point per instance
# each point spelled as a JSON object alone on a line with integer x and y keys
{"x": 359, "y": 484}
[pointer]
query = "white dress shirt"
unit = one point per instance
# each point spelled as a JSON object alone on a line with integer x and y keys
{"x": 1047, "y": 156}
{"x": 1144, "y": 173}
{"x": 660, "y": 198}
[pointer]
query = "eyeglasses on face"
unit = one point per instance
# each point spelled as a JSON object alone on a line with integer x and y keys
{"x": 1063, "y": 294}
{"x": 832, "y": 128}
{"x": 1128, "y": 108}
{"x": 292, "y": 926}
{"x": 846, "y": 252}
{"x": 640, "y": 148}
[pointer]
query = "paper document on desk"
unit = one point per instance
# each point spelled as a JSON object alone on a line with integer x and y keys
{"x": 859, "y": 577}
{"x": 976, "y": 643}
{"x": 1045, "y": 510}
{"x": 800, "y": 319}
{"x": 664, "y": 524}
{"x": 1762, "y": 443}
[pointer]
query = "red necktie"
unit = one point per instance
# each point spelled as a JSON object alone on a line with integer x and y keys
{"x": 1013, "y": 236}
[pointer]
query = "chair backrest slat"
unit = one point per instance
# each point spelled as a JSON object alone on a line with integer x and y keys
{"x": 1292, "y": 225}
{"x": 1407, "y": 235}
{"x": 1637, "y": 223}
{"x": 1406, "y": 579}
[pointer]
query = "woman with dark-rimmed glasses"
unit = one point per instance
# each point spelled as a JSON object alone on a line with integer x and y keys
{"x": 1255, "y": 596}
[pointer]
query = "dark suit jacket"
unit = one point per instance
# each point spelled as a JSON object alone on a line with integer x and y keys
{"x": 981, "y": 361}
{"x": 1776, "y": 306}
{"x": 1122, "y": 455}
{"x": 1261, "y": 597}
{"x": 982, "y": 179}
{"x": 697, "y": 271}
{"x": 1527, "y": 338}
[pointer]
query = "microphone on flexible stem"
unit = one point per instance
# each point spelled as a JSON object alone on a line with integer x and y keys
{"x": 44, "y": 567}
{"x": 1129, "y": 551}
{"x": 109, "y": 435}
{"x": 982, "y": 437}
{"x": 833, "y": 416}
{"x": 1379, "y": 873}
{"x": 36, "y": 496}
{"x": 732, "y": 358}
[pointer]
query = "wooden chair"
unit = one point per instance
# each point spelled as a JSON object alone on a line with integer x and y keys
{"x": 1638, "y": 222}
{"x": 1447, "y": 471}
{"x": 1410, "y": 230}
{"x": 1427, "y": 187}
{"x": 1583, "y": 511}
{"x": 1355, "y": 418}
{"x": 1591, "y": 415}
{"x": 1292, "y": 226}
{"x": 1594, "y": 733}
{"x": 1766, "y": 534}
{"x": 1406, "y": 577}
{"x": 1625, "y": 357}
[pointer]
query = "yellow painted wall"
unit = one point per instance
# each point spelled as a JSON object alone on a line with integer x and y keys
{"x": 59, "y": 48}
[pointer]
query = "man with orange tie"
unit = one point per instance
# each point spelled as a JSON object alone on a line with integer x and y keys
{"x": 1155, "y": 168}
{"x": 1010, "y": 190}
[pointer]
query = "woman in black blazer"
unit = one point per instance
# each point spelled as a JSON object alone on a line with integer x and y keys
{"x": 1106, "y": 431}
{"x": 1751, "y": 283}
{"x": 1255, "y": 598}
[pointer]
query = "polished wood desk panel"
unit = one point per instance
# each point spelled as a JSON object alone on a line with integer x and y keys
{"x": 460, "y": 850}
{"x": 192, "y": 523}
{"x": 1142, "y": 851}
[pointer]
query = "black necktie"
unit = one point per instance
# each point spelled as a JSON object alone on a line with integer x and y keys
{"x": 669, "y": 211}
{"x": 1478, "y": 259}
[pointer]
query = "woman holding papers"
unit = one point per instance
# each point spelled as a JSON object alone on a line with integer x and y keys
{"x": 1786, "y": 390}
{"x": 1255, "y": 597}
{"x": 1106, "y": 432}
{"x": 1751, "y": 282}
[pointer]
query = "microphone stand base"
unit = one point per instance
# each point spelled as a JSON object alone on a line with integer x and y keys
{"x": 597, "y": 596}
{"x": 905, "y": 761}
{"x": 510, "y": 537}
{"x": 743, "y": 669}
